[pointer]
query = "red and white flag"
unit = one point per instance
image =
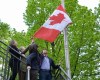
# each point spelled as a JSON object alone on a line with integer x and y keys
{"x": 54, "y": 25}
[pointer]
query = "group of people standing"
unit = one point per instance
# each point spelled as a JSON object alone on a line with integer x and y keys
{"x": 40, "y": 64}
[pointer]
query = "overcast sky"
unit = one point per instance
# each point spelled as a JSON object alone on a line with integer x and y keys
{"x": 11, "y": 11}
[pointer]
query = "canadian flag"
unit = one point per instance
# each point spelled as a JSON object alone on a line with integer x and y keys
{"x": 54, "y": 25}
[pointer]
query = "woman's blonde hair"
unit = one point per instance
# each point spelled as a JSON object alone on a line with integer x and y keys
{"x": 22, "y": 48}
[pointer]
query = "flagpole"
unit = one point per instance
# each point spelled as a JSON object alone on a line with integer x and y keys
{"x": 66, "y": 50}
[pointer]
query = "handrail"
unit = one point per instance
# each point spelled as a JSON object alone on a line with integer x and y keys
{"x": 65, "y": 72}
{"x": 57, "y": 73}
{"x": 14, "y": 56}
{"x": 3, "y": 52}
{"x": 11, "y": 48}
{"x": 60, "y": 73}
{"x": 63, "y": 76}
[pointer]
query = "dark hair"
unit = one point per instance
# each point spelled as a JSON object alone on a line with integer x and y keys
{"x": 12, "y": 43}
{"x": 33, "y": 48}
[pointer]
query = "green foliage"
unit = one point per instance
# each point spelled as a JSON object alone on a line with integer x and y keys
{"x": 20, "y": 37}
{"x": 4, "y": 29}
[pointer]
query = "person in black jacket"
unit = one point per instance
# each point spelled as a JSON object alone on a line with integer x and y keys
{"x": 14, "y": 62}
{"x": 46, "y": 65}
{"x": 32, "y": 61}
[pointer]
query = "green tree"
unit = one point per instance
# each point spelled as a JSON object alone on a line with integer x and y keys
{"x": 4, "y": 30}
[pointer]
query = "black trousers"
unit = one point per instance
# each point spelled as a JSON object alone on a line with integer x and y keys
{"x": 33, "y": 74}
{"x": 14, "y": 65}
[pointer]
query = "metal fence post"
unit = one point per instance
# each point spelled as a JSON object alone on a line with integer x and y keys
{"x": 28, "y": 72}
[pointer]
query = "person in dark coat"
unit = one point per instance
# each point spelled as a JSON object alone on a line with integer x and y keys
{"x": 32, "y": 61}
{"x": 14, "y": 62}
{"x": 46, "y": 65}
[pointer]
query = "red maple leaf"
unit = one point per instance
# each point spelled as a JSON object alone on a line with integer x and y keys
{"x": 56, "y": 19}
